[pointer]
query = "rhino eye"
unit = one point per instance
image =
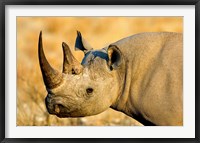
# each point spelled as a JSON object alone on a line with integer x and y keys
{"x": 89, "y": 90}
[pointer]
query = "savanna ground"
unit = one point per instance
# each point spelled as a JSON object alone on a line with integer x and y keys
{"x": 99, "y": 31}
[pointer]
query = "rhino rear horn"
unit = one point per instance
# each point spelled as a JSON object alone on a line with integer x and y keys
{"x": 82, "y": 44}
{"x": 70, "y": 64}
{"x": 51, "y": 77}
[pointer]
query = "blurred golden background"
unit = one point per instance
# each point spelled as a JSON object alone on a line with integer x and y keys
{"x": 98, "y": 31}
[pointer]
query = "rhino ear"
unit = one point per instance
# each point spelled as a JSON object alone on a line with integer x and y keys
{"x": 82, "y": 44}
{"x": 114, "y": 57}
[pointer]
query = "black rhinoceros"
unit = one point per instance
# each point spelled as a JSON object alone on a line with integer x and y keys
{"x": 141, "y": 76}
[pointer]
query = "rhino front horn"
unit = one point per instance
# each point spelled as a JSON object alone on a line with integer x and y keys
{"x": 51, "y": 77}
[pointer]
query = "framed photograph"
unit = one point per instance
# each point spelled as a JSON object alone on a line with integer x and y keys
{"x": 121, "y": 71}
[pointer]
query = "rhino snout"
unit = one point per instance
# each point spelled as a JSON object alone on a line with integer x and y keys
{"x": 54, "y": 106}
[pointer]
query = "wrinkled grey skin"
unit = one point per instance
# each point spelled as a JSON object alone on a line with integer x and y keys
{"x": 140, "y": 75}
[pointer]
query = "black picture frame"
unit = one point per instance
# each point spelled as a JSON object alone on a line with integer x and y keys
{"x": 3, "y": 3}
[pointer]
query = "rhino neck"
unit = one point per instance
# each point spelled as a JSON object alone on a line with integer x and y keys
{"x": 128, "y": 98}
{"x": 125, "y": 79}
{"x": 129, "y": 78}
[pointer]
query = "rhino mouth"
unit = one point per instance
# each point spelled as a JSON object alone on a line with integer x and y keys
{"x": 60, "y": 110}
{"x": 64, "y": 112}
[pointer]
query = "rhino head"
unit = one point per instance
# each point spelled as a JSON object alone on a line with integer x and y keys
{"x": 82, "y": 89}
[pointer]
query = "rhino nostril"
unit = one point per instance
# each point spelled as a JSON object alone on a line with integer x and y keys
{"x": 57, "y": 108}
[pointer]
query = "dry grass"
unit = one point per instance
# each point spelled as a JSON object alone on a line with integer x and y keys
{"x": 99, "y": 31}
